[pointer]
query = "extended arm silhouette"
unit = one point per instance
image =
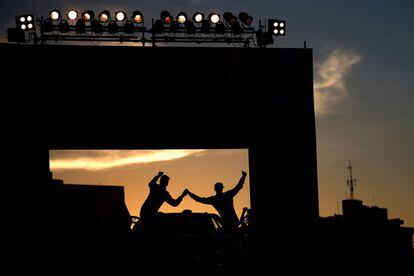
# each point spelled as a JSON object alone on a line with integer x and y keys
{"x": 204, "y": 200}
{"x": 175, "y": 202}
{"x": 233, "y": 192}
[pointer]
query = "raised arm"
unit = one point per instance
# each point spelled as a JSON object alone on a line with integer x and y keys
{"x": 204, "y": 200}
{"x": 153, "y": 182}
{"x": 175, "y": 202}
{"x": 233, "y": 192}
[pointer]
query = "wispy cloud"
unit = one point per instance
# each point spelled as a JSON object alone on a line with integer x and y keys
{"x": 330, "y": 75}
{"x": 105, "y": 159}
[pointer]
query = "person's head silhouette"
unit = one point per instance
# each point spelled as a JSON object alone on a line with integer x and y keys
{"x": 218, "y": 187}
{"x": 164, "y": 180}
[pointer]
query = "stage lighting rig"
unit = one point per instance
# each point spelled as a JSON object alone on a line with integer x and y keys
{"x": 121, "y": 26}
{"x": 276, "y": 27}
{"x": 25, "y": 22}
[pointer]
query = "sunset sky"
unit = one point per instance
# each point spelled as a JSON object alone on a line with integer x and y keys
{"x": 364, "y": 66}
{"x": 197, "y": 170}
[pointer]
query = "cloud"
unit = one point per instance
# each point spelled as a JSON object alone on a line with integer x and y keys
{"x": 95, "y": 160}
{"x": 330, "y": 88}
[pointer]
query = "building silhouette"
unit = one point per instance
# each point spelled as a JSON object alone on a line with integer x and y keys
{"x": 79, "y": 98}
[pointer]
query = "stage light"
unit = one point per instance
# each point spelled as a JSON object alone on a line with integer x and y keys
{"x": 277, "y": 27}
{"x": 137, "y": 17}
{"x": 181, "y": 17}
{"x": 129, "y": 27}
{"x": 25, "y": 22}
{"x": 96, "y": 26}
{"x": 220, "y": 28}
{"x": 198, "y": 17}
{"x": 166, "y": 17}
{"x": 229, "y": 18}
{"x": 205, "y": 26}
{"x": 64, "y": 26}
{"x": 47, "y": 25}
{"x": 245, "y": 19}
{"x": 80, "y": 26}
{"x": 120, "y": 16}
{"x": 72, "y": 14}
{"x": 112, "y": 27}
{"x": 214, "y": 18}
{"x": 104, "y": 16}
{"x": 88, "y": 15}
{"x": 54, "y": 15}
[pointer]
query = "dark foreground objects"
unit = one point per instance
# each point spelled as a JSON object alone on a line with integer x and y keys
{"x": 223, "y": 203}
{"x": 157, "y": 196}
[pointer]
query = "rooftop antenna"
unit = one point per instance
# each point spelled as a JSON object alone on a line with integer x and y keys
{"x": 351, "y": 181}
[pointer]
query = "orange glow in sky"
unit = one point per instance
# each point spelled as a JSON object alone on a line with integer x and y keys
{"x": 197, "y": 170}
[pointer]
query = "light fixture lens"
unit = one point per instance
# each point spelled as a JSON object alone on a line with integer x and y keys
{"x": 275, "y": 24}
{"x": 181, "y": 19}
{"x": 282, "y": 31}
{"x": 88, "y": 15}
{"x": 282, "y": 24}
{"x": 198, "y": 18}
{"x": 22, "y": 19}
{"x": 120, "y": 16}
{"x": 104, "y": 17}
{"x": 23, "y": 27}
{"x": 275, "y": 31}
{"x": 138, "y": 18}
{"x": 30, "y": 26}
{"x": 72, "y": 15}
{"x": 54, "y": 15}
{"x": 29, "y": 18}
{"x": 214, "y": 18}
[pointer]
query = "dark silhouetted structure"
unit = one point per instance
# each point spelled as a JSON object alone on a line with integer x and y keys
{"x": 78, "y": 98}
{"x": 365, "y": 233}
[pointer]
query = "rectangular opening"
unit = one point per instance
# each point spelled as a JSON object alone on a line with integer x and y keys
{"x": 198, "y": 170}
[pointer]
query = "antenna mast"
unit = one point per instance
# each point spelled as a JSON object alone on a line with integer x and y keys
{"x": 351, "y": 181}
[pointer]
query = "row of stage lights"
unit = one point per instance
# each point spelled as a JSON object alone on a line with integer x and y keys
{"x": 61, "y": 26}
{"x": 166, "y": 22}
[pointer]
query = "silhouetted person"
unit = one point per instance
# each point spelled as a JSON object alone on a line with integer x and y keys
{"x": 157, "y": 196}
{"x": 223, "y": 203}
